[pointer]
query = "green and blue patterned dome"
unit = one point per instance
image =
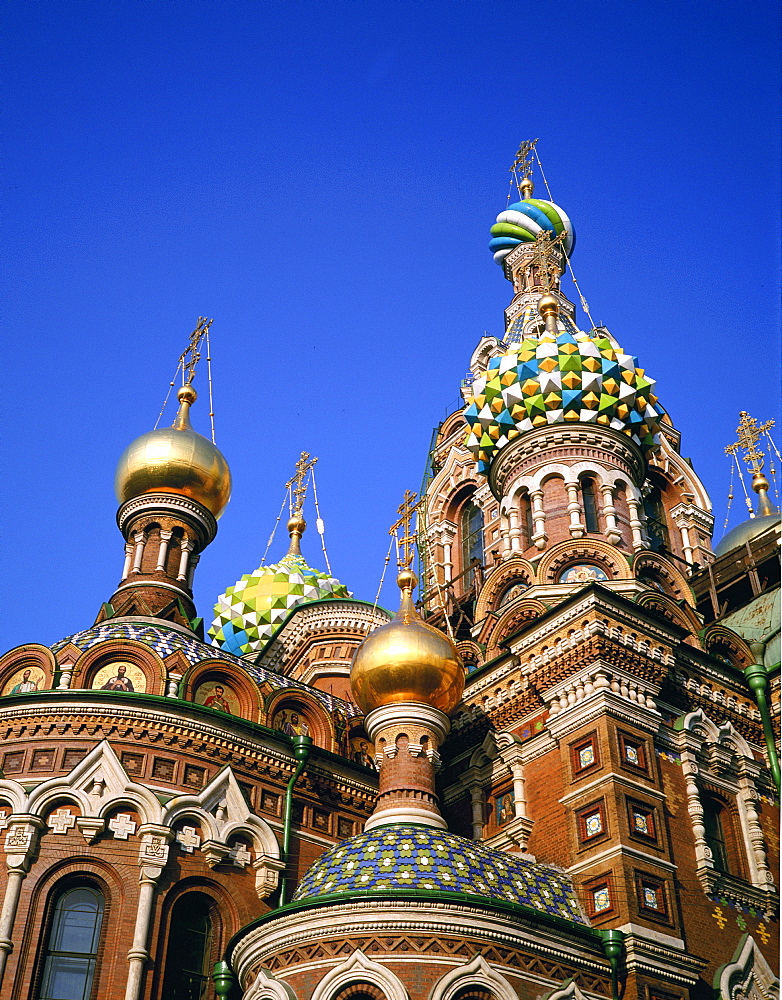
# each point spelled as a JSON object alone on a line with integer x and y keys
{"x": 249, "y": 613}
{"x": 523, "y": 221}
{"x": 412, "y": 857}
{"x": 573, "y": 377}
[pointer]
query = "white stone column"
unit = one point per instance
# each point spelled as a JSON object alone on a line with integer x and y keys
{"x": 138, "y": 555}
{"x": 162, "y": 552}
{"x": 686, "y": 547}
{"x": 186, "y": 547}
{"x": 504, "y": 535}
{"x": 539, "y": 519}
{"x": 703, "y": 858}
{"x": 613, "y": 534}
{"x": 753, "y": 833}
{"x": 636, "y": 527}
{"x": 514, "y": 529}
{"x": 447, "y": 562}
{"x": 152, "y": 859}
{"x": 577, "y": 529}
{"x": 128, "y": 560}
{"x": 19, "y": 847}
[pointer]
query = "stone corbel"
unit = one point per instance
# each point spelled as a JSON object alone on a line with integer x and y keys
{"x": 267, "y": 874}
{"x": 21, "y": 841}
{"x": 90, "y": 827}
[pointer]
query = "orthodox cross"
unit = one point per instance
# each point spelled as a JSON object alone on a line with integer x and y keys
{"x": 406, "y": 511}
{"x": 192, "y": 353}
{"x": 748, "y": 434}
{"x": 546, "y": 258}
{"x": 522, "y": 165}
{"x": 303, "y": 466}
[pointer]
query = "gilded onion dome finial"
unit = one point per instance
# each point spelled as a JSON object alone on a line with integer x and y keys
{"x": 177, "y": 459}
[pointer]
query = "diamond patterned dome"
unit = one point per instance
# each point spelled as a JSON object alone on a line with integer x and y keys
{"x": 248, "y": 613}
{"x": 416, "y": 857}
{"x": 569, "y": 378}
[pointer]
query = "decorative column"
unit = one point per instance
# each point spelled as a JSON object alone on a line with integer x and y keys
{"x": 191, "y": 572}
{"x": 695, "y": 809}
{"x": 186, "y": 547}
{"x": 20, "y": 843}
{"x": 478, "y": 810}
{"x": 636, "y": 527}
{"x": 514, "y": 529}
{"x": 138, "y": 555}
{"x": 747, "y": 797}
{"x": 574, "y": 510}
{"x": 152, "y": 859}
{"x": 504, "y": 535}
{"x": 613, "y": 534}
{"x": 686, "y": 547}
{"x": 128, "y": 560}
{"x": 162, "y": 552}
{"x": 539, "y": 519}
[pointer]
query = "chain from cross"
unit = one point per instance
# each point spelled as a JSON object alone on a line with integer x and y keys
{"x": 748, "y": 434}
{"x": 303, "y": 466}
{"x": 523, "y": 162}
{"x": 192, "y": 353}
{"x": 544, "y": 257}
{"x": 407, "y": 509}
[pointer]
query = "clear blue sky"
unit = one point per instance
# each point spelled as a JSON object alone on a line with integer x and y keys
{"x": 320, "y": 178}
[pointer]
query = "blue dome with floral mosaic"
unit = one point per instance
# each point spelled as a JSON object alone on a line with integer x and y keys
{"x": 569, "y": 377}
{"x": 420, "y": 858}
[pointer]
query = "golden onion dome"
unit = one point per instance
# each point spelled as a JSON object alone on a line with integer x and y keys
{"x": 175, "y": 459}
{"x": 407, "y": 660}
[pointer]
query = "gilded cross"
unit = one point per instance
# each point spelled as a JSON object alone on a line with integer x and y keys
{"x": 748, "y": 434}
{"x": 545, "y": 257}
{"x": 192, "y": 353}
{"x": 406, "y": 511}
{"x": 303, "y": 466}
{"x": 522, "y": 165}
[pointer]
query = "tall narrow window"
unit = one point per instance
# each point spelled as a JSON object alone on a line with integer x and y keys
{"x": 656, "y": 525}
{"x": 715, "y": 834}
{"x": 527, "y": 522}
{"x": 472, "y": 540}
{"x": 72, "y": 947}
{"x": 590, "y": 505}
{"x": 189, "y": 947}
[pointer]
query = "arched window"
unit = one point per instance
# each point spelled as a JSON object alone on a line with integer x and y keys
{"x": 527, "y": 522}
{"x": 72, "y": 945}
{"x": 589, "y": 500}
{"x": 189, "y": 947}
{"x": 472, "y": 539}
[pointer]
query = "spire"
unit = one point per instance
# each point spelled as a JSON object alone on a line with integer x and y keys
{"x": 748, "y": 433}
{"x": 172, "y": 484}
{"x": 407, "y": 677}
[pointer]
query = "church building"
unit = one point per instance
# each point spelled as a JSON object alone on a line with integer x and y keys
{"x": 552, "y": 774}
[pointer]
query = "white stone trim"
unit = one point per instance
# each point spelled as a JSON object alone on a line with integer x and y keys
{"x": 356, "y": 969}
{"x": 748, "y": 975}
{"x": 267, "y": 987}
{"x": 475, "y": 973}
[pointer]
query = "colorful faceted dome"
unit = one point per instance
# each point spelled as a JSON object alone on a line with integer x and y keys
{"x": 523, "y": 221}
{"x": 249, "y": 613}
{"x": 573, "y": 377}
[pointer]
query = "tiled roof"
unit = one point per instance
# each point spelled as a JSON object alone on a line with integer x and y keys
{"x": 415, "y": 857}
{"x": 165, "y": 641}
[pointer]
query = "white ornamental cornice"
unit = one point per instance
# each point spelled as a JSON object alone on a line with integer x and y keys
{"x": 419, "y": 918}
{"x": 688, "y": 514}
{"x": 169, "y": 503}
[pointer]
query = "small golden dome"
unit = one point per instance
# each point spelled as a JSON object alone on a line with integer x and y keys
{"x": 548, "y": 304}
{"x": 175, "y": 459}
{"x": 407, "y": 660}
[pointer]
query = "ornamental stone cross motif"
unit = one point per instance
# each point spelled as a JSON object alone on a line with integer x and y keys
{"x": 62, "y": 821}
{"x": 240, "y": 855}
{"x": 188, "y": 838}
{"x": 122, "y": 825}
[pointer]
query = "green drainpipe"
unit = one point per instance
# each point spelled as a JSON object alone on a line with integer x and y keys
{"x": 613, "y": 946}
{"x": 757, "y": 678}
{"x": 301, "y": 751}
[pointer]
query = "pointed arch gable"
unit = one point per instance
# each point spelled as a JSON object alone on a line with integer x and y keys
{"x": 476, "y": 972}
{"x": 357, "y": 968}
{"x": 748, "y": 974}
{"x": 266, "y": 986}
